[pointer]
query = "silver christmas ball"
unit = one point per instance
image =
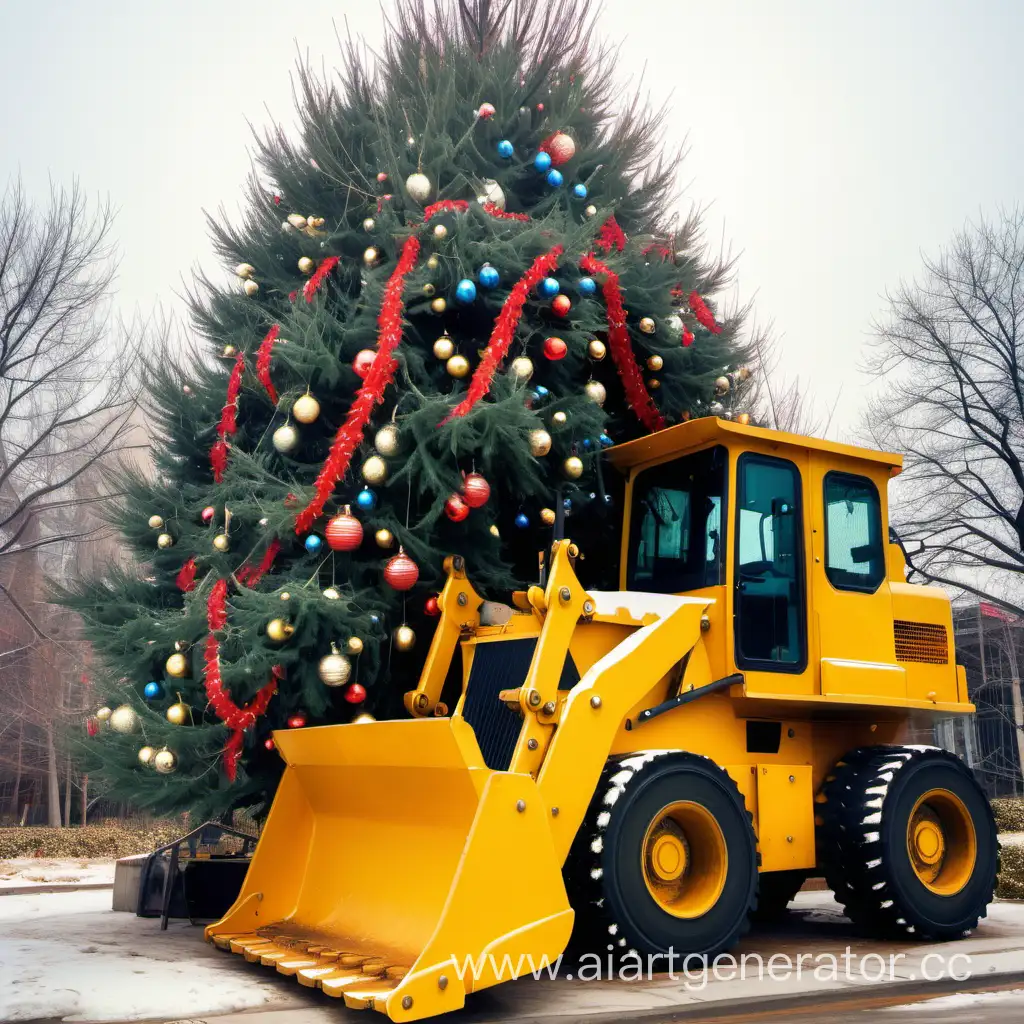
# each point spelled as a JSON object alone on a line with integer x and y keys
{"x": 387, "y": 440}
{"x": 285, "y": 438}
{"x": 418, "y": 186}
{"x": 335, "y": 669}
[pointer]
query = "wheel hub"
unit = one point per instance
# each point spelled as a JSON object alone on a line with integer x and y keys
{"x": 668, "y": 857}
{"x": 929, "y": 842}
{"x": 941, "y": 842}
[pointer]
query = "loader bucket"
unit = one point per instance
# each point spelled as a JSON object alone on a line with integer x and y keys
{"x": 397, "y": 871}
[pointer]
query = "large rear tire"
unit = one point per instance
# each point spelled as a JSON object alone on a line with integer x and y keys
{"x": 908, "y": 842}
{"x": 666, "y": 859}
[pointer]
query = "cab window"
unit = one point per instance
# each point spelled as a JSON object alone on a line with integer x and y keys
{"x": 854, "y": 553}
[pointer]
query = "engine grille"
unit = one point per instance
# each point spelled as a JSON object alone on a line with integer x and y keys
{"x": 921, "y": 641}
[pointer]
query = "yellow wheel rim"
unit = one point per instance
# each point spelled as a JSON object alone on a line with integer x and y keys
{"x": 941, "y": 842}
{"x": 685, "y": 859}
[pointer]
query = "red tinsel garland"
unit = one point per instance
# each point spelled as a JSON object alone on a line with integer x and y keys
{"x": 250, "y": 575}
{"x": 704, "y": 315}
{"x": 445, "y": 206}
{"x": 496, "y": 211}
{"x": 504, "y": 331}
{"x": 228, "y": 420}
{"x": 620, "y": 347}
{"x": 380, "y": 375}
{"x": 310, "y": 288}
{"x": 263, "y": 361}
{"x": 187, "y": 576}
{"x": 611, "y": 236}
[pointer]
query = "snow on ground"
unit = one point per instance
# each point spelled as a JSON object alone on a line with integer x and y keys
{"x": 50, "y": 871}
{"x": 68, "y": 955}
{"x": 960, "y": 1001}
{"x": 1012, "y": 838}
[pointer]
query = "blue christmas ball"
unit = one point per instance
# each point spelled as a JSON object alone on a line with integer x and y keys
{"x": 465, "y": 291}
{"x": 505, "y": 149}
{"x": 587, "y": 285}
{"x": 313, "y": 543}
{"x": 374, "y": 619}
{"x": 567, "y": 505}
{"x": 153, "y": 690}
{"x": 587, "y": 443}
{"x": 542, "y": 392}
{"x": 554, "y": 178}
{"x": 366, "y": 498}
{"x": 542, "y": 161}
{"x": 579, "y": 191}
{"x": 606, "y": 441}
{"x": 522, "y": 520}
{"x": 488, "y": 276}
{"x": 549, "y": 287}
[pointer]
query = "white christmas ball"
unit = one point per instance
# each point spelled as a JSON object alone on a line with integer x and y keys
{"x": 418, "y": 186}
{"x": 285, "y": 438}
{"x": 492, "y": 193}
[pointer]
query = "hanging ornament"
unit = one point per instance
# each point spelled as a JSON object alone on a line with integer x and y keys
{"x": 595, "y": 391}
{"x": 285, "y": 438}
{"x": 279, "y": 630}
{"x": 244, "y": 270}
{"x": 103, "y": 714}
{"x": 743, "y": 373}
{"x": 269, "y": 743}
{"x": 606, "y": 441}
{"x": 164, "y": 541}
{"x": 655, "y": 363}
{"x": 405, "y": 638}
{"x": 334, "y": 668}
{"x": 743, "y": 418}
{"x": 176, "y": 666}
{"x": 382, "y": 176}
{"x": 178, "y": 713}
{"x": 384, "y": 538}
{"x": 559, "y": 418}
{"x": 306, "y": 408}
{"x": 155, "y": 522}
{"x": 229, "y": 352}
{"x": 488, "y": 276}
{"x": 549, "y": 287}
{"x": 688, "y": 338}
{"x": 356, "y": 694}
{"x": 401, "y": 572}
{"x": 555, "y": 348}
{"x": 221, "y": 542}
{"x": 428, "y": 289}
{"x": 547, "y": 516}
{"x": 654, "y": 383}
{"x": 475, "y": 490}
{"x": 369, "y": 224}
{"x": 165, "y": 761}
{"x": 647, "y": 325}
{"x": 465, "y": 291}
{"x": 433, "y": 262}
{"x": 573, "y": 467}
{"x": 370, "y": 255}
{"x": 306, "y": 265}
{"x": 375, "y": 470}
{"x": 444, "y": 347}
{"x": 522, "y": 520}
{"x": 355, "y": 645}
{"x": 674, "y": 325}
{"x": 455, "y": 508}
{"x": 431, "y": 607}
{"x": 344, "y": 532}
{"x": 554, "y": 178}
{"x": 579, "y": 190}
{"x": 440, "y": 232}
{"x": 363, "y": 361}
{"x": 152, "y": 690}
{"x": 439, "y": 305}
{"x": 418, "y": 186}
{"x": 560, "y": 305}
{"x": 540, "y": 442}
{"x": 721, "y": 385}
{"x": 145, "y": 755}
{"x": 387, "y": 440}
{"x": 561, "y": 148}
{"x": 597, "y": 350}
{"x": 586, "y": 286}
{"x": 522, "y": 368}
{"x": 124, "y": 719}
{"x": 366, "y": 499}
{"x": 591, "y": 211}
{"x": 312, "y": 544}
{"x": 495, "y": 532}
{"x": 207, "y": 514}
{"x": 542, "y": 162}
{"x": 457, "y": 366}
{"x": 492, "y": 193}
{"x": 486, "y": 111}
{"x": 251, "y": 288}
{"x": 297, "y": 721}
{"x": 505, "y": 149}
{"x": 331, "y": 593}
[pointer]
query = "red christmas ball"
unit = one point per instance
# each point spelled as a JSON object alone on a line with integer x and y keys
{"x": 382, "y": 176}
{"x": 297, "y": 721}
{"x": 401, "y": 572}
{"x": 560, "y": 147}
{"x": 475, "y": 490}
{"x": 560, "y": 305}
{"x": 92, "y": 726}
{"x": 269, "y": 743}
{"x": 456, "y": 509}
{"x": 344, "y": 532}
{"x": 486, "y": 111}
{"x": 356, "y": 693}
{"x": 555, "y": 348}
{"x": 363, "y": 361}
{"x": 208, "y": 513}
{"x": 540, "y": 107}
{"x": 431, "y": 607}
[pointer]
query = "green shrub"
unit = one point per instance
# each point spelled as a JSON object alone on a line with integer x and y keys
{"x": 1011, "y": 873}
{"x": 109, "y": 840}
{"x": 1009, "y": 812}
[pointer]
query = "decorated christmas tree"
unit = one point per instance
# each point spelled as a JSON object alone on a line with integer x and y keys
{"x": 458, "y": 285}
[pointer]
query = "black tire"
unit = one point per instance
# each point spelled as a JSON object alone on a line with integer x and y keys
{"x": 605, "y": 873}
{"x": 776, "y": 890}
{"x": 863, "y": 842}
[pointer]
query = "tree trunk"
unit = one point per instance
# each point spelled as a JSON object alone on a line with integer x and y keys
{"x": 67, "y": 794}
{"x": 52, "y": 780}
{"x": 85, "y": 798}
{"x": 16, "y": 792}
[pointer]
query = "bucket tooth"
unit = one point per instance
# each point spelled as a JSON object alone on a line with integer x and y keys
{"x": 270, "y": 958}
{"x": 289, "y": 967}
{"x": 240, "y": 943}
{"x": 362, "y": 997}
{"x": 338, "y": 984}
{"x": 224, "y": 941}
{"x": 312, "y": 976}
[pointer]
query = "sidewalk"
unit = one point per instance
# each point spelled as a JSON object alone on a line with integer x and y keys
{"x": 69, "y": 955}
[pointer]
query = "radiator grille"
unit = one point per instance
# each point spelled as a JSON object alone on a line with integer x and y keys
{"x": 921, "y": 641}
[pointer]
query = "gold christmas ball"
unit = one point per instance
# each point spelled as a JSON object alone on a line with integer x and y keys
{"x": 440, "y": 231}
{"x": 221, "y": 542}
{"x": 547, "y": 516}
{"x": 229, "y": 351}
{"x": 743, "y": 373}
{"x": 331, "y": 593}
{"x": 244, "y": 270}
{"x": 177, "y": 714}
{"x": 457, "y": 366}
{"x": 306, "y": 408}
{"x": 647, "y": 325}
{"x": 306, "y": 265}
{"x": 387, "y": 440}
{"x": 363, "y": 718}
{"x": 405, "y": 638}
{"x": 279, "y": 630}
{"x": 285, "y": 438}
{"x": 655, "y": 363}
{"x": 439, "y": 305}
{"x": 369, "y": 224}
{"x": 597, "y": 349}
{"x": 444, "y": 347}
{"x": 164, "y": 761}
{"x": 522, "y": 367}
{"x": 559, "y": 418}
{"x": 297, "y": 220}
{"x": 540, "y": 442}
{"x": 103, "y": 714}
{"x": 334, "y": 669}
{"x": 721, "y": 385}
{"x": 743, "y": 418}
{"x": 250, "y": 288}
{"x": 370, "y": 255}
{"x": 124, "y": 719}
{"x": 355, "y": 645}
{"x": 384, "y": 538}
{"x": 155, "y": 522}
{"x": 573, "y": 467}
{"x": 375, "y": 470}
{"x": 418, "y": 186}
{"x": 316, "y": 222}
{"x": 433, "y": 262}
{"x": 654, "y": 383}
{"x": 595, "y": 391}
{"x": 176, "y": 666}
{"x": 146, "y": 755}
{"x": 165, "y": 540}
{"x": 591, "y": 211}
{"x": 495, "y": 532}
{"x": 285, "y": 596}
{"x": 428, "y": 289}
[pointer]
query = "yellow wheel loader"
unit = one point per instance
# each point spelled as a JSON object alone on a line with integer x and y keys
{"x": 656, "y": 764}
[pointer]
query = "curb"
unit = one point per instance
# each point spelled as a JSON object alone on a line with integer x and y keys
{"x": 29, "y": 890}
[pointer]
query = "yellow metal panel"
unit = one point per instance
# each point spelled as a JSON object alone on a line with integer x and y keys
{"x": 785, "y": 801}
{"x": 862, "y": 678}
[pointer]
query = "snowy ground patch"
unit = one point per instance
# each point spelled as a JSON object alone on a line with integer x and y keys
{"x": 68, "y": 955}
{"x": 961, "y": 1001}
{"x": 56, "y": 871}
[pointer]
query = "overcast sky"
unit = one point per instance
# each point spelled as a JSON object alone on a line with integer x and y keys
{"x": 834, "y": 141}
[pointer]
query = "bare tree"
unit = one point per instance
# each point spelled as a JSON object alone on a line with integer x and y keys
{"x": 949, "y": 352}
